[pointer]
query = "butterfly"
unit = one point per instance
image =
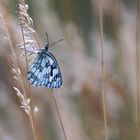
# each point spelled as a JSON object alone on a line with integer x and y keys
{"x": 45, "y": 71}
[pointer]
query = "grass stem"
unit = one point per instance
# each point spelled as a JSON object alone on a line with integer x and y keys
{"x": 31, "y": 115}
{"x": 137, "y": 67}
{"x": 103, "y": 67}
{"x": 59, "y": 115}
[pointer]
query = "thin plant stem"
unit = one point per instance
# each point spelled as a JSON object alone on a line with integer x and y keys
{"x": 31, "y": 115}
{"x": 16, "y": 66}
{"x": 59, "y": 115}
{"x": 103, "y": 67}
{"x": 26, "y": 60}
{"x": 137, "y": 67}
{"x": 33, "y": 127}
{"x": 14, "y": 56}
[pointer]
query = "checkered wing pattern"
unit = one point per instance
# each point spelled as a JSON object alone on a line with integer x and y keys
{"x": 45, "y": 71}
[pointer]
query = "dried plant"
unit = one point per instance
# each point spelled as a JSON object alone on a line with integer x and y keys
{"x": 27, "y": 31}
{"x": 17, "y": 75}
{"x": 29, "y": 47}
{"x": 103, "y": 68}
{"x": 29, "y": 44}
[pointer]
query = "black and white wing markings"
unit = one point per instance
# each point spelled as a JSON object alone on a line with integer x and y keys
{"x": 45, "y": 71}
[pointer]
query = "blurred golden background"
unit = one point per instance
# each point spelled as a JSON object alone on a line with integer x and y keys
{"x": 80, "y": 98}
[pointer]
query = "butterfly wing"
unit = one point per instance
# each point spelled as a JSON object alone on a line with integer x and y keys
{"x": 45, "y": 71}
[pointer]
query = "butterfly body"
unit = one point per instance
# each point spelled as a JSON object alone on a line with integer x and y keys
{"x": 45, "y": 71}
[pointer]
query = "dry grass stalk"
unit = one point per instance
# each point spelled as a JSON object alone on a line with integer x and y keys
{"x": 59, "y": 114}
{"x": 17, "y": 75}
{"x": 26, "y": 24}
{"x": 103, "y": 67}
{"x": 138, "y": 70}
{"x": 29, "y": 42}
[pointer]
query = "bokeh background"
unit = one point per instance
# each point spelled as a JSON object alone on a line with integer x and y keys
{"x": 80, "y": 98}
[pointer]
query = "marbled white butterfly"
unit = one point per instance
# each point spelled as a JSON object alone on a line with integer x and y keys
{"x": 45, "y": 71}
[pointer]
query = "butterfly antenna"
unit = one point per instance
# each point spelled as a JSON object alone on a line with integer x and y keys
{"x": 56, "y": 42}
{"x": 47, "y": 38}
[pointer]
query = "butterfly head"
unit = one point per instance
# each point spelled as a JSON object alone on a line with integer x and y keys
{"x": 47, "y": 47}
